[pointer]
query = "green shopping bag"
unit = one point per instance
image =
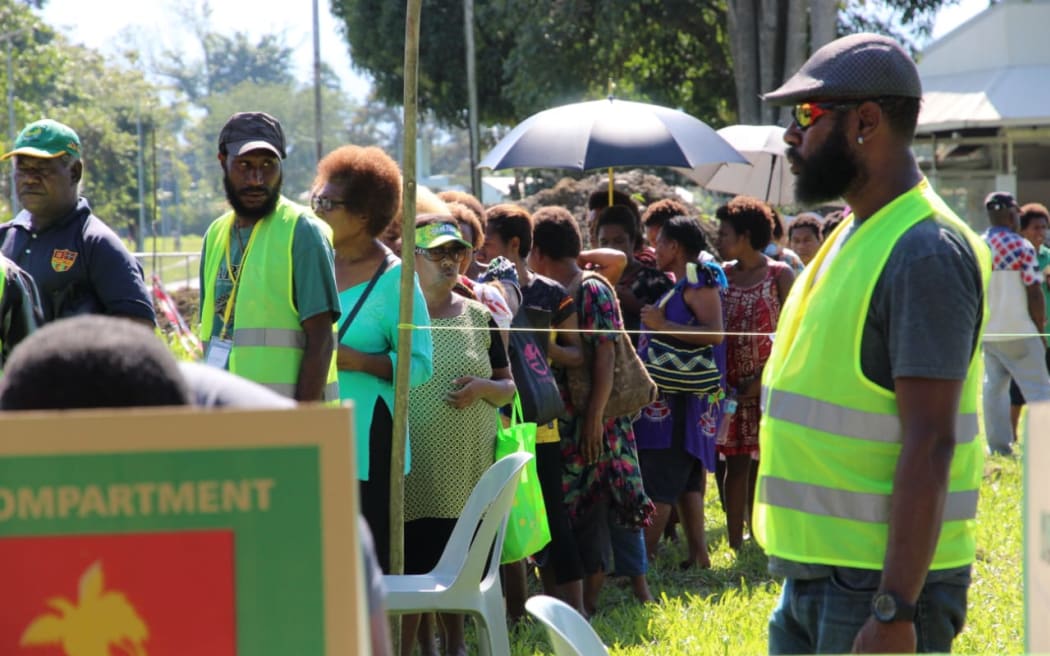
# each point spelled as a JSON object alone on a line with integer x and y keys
{"x": 527, "y": 529}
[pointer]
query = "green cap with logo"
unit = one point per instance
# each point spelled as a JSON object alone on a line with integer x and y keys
{"x": 48, "y": 139}
{"x": 432, "y": 235}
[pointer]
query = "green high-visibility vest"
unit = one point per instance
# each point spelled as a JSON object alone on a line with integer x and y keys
{"x": 268, "y": 339}
{"x": 830, "y": 438}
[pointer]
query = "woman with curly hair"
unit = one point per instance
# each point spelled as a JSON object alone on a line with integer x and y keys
{"x": 758, "y": 286}
{"x": 358, "y": 192}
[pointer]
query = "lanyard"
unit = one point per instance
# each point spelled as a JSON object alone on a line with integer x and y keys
{"x": 236, "y": 279}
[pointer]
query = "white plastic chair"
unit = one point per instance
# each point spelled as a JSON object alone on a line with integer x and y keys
{"x": 461, "y": 583}
{"x": 569, "y": 633}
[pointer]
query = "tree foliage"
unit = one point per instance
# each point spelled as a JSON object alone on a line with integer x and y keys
{"x": 103, "y": 101}
{"x": 532, "y": 55}
{"x": 227, "y": 62}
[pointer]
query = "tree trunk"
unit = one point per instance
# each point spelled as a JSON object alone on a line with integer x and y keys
{"x": 823, "y": 22}
{"x": 742, "y": 18}
{"x": 770, "y": 52}
{"x": 795, "y": 46}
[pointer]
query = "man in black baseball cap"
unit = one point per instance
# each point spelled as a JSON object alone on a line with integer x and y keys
{"x": 1013, "y": 347}
{"x": 1000, "y": 200}
{"x": 268, "y": 291}
{"x": 870, "y": 459}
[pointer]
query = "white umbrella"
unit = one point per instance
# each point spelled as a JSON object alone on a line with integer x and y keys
{"x": 767, "y": 176}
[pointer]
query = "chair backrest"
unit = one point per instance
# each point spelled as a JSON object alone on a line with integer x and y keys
{"x": 481, "y": 526}
{"x": 569, "y": 633}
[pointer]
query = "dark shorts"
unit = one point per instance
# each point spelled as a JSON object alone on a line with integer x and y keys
{"x": 1016, "y": 397}
{"x": 592, "y": 537}
{"x": 668, "y": 473}
{"x": 561, "y": 554}
{"x": 425, "y": 541}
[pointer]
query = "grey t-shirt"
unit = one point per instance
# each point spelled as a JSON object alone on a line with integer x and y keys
{"x": 923, "y": 321}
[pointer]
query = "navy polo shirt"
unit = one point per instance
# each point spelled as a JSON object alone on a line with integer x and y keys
{"x": 79, "y": 266}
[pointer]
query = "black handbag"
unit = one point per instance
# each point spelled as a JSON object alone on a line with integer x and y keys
{"x": 541, "y": 400}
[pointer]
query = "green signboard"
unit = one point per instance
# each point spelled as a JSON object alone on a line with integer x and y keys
{"x": 174, "y": 532}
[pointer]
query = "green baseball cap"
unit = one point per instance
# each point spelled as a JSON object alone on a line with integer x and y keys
{"x": 48, "y": 139}
{"x": 432, "y": 235}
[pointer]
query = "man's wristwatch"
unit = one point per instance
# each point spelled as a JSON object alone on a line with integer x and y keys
{"x": 888, "y": 607}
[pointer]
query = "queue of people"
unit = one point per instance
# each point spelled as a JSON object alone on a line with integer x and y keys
{"x": 857, "y": 421}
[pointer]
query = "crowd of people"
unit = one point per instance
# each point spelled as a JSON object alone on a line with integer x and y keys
{"x": 301, "y": 303}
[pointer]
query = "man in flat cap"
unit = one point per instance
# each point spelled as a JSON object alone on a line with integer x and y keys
{"x": 1016, "y": 319}
{"x": 268, "y": 293}
{"x": 78, "y": 263}
{"x": 871, "y": 461}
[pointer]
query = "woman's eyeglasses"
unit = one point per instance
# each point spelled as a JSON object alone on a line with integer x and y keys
{"x": 454, "y": 253}
{"x": 324, "y": 203}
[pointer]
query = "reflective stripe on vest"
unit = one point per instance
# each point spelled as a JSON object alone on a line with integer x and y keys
{"x": 839, "y": 420}
{"x": 830, "y": 437}
{"x": 857, "y": 506}
{"x": 277, "y": 337}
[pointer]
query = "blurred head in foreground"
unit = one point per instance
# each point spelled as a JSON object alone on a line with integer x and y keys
{"x": 91, "y": 361}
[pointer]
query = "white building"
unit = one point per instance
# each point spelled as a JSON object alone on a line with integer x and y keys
{"x": 986, "y": 107}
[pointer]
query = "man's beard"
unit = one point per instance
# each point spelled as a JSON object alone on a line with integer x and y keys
{"x": 828, "y": 173}
{"x": 253, "y": 213}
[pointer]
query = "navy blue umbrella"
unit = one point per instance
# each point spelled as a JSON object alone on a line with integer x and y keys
{"x": 606, "y": 133}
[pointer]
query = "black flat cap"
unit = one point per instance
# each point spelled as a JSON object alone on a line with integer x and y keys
{"x": 856, "y": 66}
{"x": 247, "y": 131}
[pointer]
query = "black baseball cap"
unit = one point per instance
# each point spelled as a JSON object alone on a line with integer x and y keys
{"x": 247, "y": 131}
{"x": 998, "y": 200}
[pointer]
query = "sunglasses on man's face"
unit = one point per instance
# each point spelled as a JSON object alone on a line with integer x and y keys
{"x": 807, "y": 113}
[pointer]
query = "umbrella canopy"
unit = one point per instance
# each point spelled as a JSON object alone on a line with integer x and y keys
{"x": 766, "y": 175}
{"x": 606, "y": 133}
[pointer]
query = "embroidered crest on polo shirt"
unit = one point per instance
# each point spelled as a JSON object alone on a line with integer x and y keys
{"x": 62, "y": 259}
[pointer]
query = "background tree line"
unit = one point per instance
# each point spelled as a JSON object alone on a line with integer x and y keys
{"x": 710, "y": 58}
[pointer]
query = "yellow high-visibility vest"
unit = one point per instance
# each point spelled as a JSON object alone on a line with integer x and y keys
{"x": 830, "y": 438}
{"x": 268, "y": 339}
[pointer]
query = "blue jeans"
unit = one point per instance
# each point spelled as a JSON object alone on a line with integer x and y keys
{"x": 628, "y": 550}
{"x": 823, "y": 616}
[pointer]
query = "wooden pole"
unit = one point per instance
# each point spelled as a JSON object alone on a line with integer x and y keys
{"x": 408, "y": 246}
{"x": 408, "y": 261}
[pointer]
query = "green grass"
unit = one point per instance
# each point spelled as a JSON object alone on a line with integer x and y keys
{"x": 724, "y": 610}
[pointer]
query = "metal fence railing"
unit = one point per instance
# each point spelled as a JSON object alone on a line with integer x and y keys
{"x": 176, "y": 270}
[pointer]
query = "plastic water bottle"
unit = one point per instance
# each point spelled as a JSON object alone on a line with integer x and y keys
{"x": 728, "y": 410}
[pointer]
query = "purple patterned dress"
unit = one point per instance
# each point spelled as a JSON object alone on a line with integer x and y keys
{"x": 652, "y": 429}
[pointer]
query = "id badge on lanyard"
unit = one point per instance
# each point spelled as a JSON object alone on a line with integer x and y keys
{"x": 219, "y": 348}
{"x": 218, "y": 354}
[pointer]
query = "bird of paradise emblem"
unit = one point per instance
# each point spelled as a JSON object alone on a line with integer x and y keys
{"x": 101, "y": 623}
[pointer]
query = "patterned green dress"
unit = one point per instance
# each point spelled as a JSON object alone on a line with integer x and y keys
{"x": 451, "y": 449}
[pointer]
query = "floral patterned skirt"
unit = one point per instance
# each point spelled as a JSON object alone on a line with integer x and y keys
{"x": 615, "y": 479}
